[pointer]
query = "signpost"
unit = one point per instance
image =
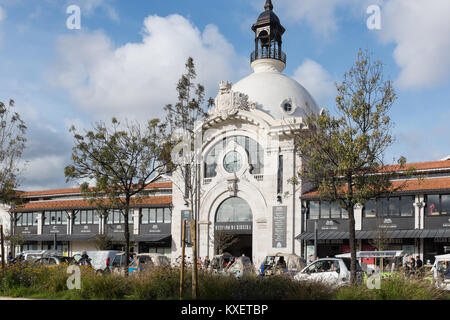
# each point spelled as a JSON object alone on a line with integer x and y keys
{"x": 2, "y": 245}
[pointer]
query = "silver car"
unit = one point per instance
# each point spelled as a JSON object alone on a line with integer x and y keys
{"x": 332, "y": 271}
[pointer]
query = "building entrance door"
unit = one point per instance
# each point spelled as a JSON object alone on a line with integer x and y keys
{"x": 233, "y": 228}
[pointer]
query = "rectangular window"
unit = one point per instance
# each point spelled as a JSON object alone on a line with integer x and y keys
{"x": 152, "y": 215}
{"x": 30, "y": 218}
{"x": 19, "y": 220}
{"x": 84, "y": 217}
{"x": 370, "y": 209}
{"x": 335, "y": 210}
{"x": 314, "y": 209}
{"x": 46, "y": 218}
{"x": 63, "y": 217}
{"x": 160, "y": 215}
{"x": 116, "y": 218}
{"x": 77, "y": 217}
{"x": 394, "y": 207}
{"x": 280, "y": 175}
{"x": 90, "y": 217}
{"x": 445, "y": 204}
{"x": 167, "y": 215}
{"x": 96, "y": 217}
{"x": 324, "y": 210}
{"x": 35, "y": 221}
{"x": 144, "y": 215}
{"x": 433, "y": 207}
{"x": 344, "y": 214}
{"x": 406, "y": 206}
{"x": 382, "y": 207}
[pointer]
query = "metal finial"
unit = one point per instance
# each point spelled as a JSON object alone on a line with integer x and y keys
{"x": 268, "y": 5}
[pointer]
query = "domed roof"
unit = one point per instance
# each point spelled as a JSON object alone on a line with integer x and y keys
{"x": 274, "y": 93}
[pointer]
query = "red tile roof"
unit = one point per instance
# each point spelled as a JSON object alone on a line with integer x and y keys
{"x": 84, "y": 203}
{"x": 26, "y": 194}
{"x": 413, "y": 185}
{"x": 431, "y": 165}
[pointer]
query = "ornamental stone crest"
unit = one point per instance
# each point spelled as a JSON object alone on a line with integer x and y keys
{"x": 229, "y": 102}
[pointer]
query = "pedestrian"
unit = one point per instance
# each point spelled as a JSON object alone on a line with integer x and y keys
{"x": 10, "y": 257}
{"x": 84, "y": 260}
{"x": 419, "y": 265}
{"x": 206, "y": 263}
{"x": 412, "y": 265}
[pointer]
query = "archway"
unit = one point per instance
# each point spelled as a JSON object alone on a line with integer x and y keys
{"x": 233, "y": 227}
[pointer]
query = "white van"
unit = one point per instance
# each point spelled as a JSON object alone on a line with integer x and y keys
{"x": 441, "y": 271}
{"x": 100, "y": 260}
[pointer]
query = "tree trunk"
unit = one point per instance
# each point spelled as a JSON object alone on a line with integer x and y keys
{"x": 351, "y": 240}
{"x": 127, "y": 234}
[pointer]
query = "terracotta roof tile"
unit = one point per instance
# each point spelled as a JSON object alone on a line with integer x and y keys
{"x": 156, "y": 185}
{"x": 82, "y": 203}
{"x": 411, "y": 186}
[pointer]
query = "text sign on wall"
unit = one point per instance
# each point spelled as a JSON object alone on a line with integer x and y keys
{"x": 186, "y": 215}
{"x": 279, "y": 226}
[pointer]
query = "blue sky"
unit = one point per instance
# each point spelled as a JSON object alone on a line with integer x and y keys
{"x": 127, "y": 56}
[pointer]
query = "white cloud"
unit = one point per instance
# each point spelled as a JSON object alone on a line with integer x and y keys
{"x": 89, "y": 6}
{"x": 44, "y": 172}
{"x": 316, "y": 80}
{"x": 2, "y": 14}
{"x": 138, "y": 79}
{"x": 420, "y": 30}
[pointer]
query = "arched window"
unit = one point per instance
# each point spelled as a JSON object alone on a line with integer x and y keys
{"x": 254, "y": 151}
{"x": 234, "y": 210}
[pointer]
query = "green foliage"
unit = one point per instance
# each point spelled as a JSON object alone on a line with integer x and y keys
{"x": 396, "y": 287}
{"x": 163, "y": 284}
{"x": 12, "y": 145}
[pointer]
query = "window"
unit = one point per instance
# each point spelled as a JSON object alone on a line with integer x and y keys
{"x": 370, "y": 209}
{"x": 382, "y": 207}
{"x": 438, "y": 204}
{"x": 234, "y": 209}
{"x": 314, "y": 209}
{"x": 394, "y": 207}
{"x": 27, "y": 219}
{"x": 167, "y": 215}
{"x": 324, "y": 210}
{"x": 433, "y": 205}
{"x": 280, "y": 175}
{"x": 254, "y": 151}
{"x": 55, "y": 218}
{"x": 86, "y": 217}
{"x": 115, "y": 216}
{"x": 407, "y": 206}
{"x": 335, "y": 210}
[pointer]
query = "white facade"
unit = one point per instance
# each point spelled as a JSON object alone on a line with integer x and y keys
{"x": 253, "y": 108}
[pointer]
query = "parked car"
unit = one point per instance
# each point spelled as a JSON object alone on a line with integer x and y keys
{"x": 241, "y": 266}
{"x": 282, "y": 263}
{"x": 219, "y": 262}
{"x": 144, "y": 261}
{"x": 29, "y": 256}
{"x": 370, "y": 261}
{"x": 100, "y": 260}
{"x": 118, "y": 264}
{"x": 54, "y": 260}
{"x": 332, "y": 271}
{"x": 441, "y": 271}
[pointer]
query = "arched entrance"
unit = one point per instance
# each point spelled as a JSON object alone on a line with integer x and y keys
{"x": 233, "y": 227}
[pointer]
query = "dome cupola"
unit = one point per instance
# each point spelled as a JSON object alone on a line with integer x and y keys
{"x": 268, "y": 36}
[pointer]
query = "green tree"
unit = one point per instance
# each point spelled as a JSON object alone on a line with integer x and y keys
{"x": 182, "y": 118}
{"x": 121, "y": 160}
{"x": 343, "y": 155}
{"x": 12, "y": 145}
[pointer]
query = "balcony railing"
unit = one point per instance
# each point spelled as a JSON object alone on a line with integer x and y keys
{"x": 268, "y": 54}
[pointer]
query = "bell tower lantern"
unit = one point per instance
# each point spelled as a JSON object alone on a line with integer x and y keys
{"x": 268, "y": 36}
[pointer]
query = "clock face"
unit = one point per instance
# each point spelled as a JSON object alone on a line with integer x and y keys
{"x": 232, "y": 162}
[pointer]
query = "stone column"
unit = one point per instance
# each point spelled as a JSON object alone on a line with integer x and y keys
{"x": 204, "y": 239}
{"x": 40, "y": 221}
{"x": 358, "y": 216}
{"x": 136, "y": 222}
{"x": 419, "y": 206}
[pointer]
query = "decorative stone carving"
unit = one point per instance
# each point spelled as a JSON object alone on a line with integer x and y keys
{"x": 233, "y": 185}
{"x": 228, "y": 102}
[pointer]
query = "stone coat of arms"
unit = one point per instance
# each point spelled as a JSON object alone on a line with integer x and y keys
{"x": 228, "y": 102}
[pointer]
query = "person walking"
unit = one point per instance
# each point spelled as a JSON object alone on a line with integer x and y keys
{"x": 419, "y": 266}
{"x": 206, "y": 263}
{"x": 412, "y": 265}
